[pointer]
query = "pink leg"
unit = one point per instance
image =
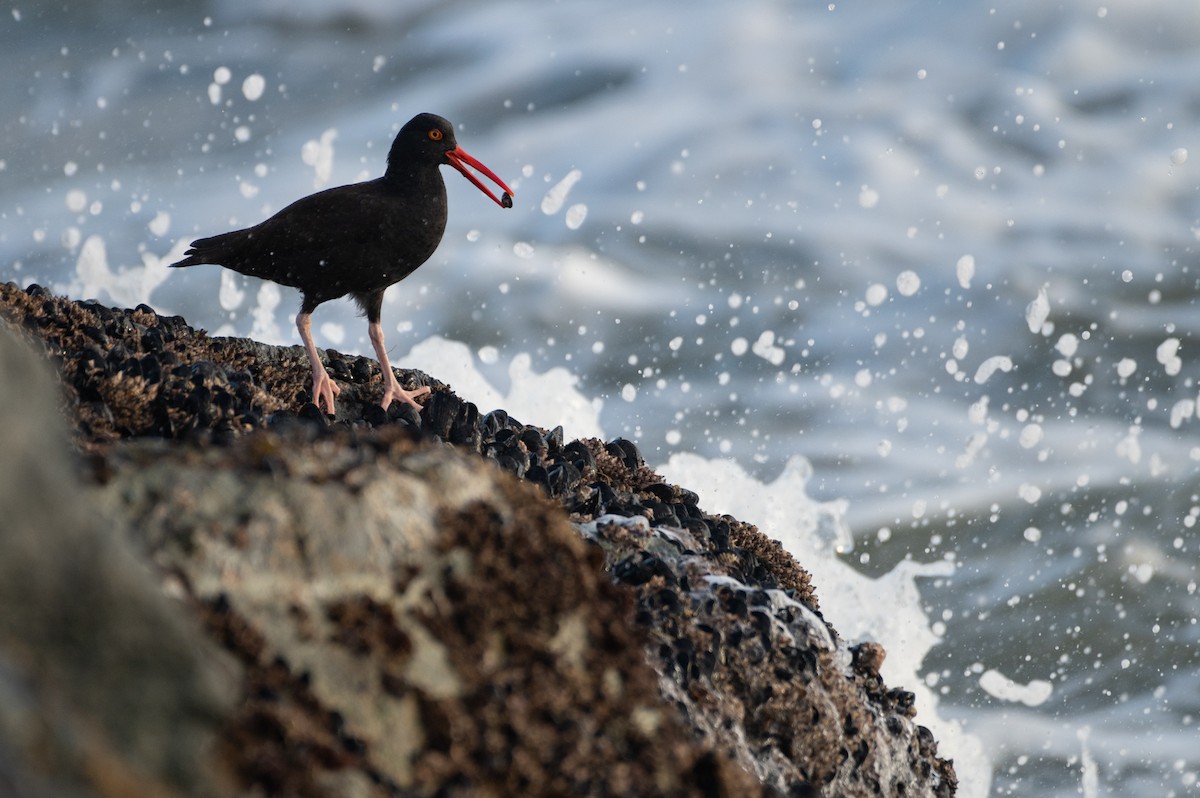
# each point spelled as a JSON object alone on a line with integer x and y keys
{"x": 391, "y": 387}
{"x": 323, "y": 388}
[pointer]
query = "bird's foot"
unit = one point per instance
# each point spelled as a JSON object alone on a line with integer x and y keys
{"x": 393, "y": 392}
{"x": 323, "y": 391}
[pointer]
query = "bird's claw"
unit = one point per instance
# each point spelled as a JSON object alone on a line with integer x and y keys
{"x": 323, "y": 391}
{"x": 394, "y": 392}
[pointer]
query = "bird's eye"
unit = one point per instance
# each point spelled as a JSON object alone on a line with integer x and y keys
{"x": 435, "y": 134}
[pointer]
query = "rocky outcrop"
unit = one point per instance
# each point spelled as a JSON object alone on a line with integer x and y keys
{"x": 107, "y": 688}
{"x": 384, "y": 604}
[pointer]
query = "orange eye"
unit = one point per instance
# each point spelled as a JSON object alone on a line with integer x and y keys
{"x": 435, "y": 134}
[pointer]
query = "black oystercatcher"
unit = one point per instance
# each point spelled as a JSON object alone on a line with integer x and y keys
{"x": 357, "y": 239}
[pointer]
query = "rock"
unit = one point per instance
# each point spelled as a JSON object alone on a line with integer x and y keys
{"x": 407, "y": 618}
{"x": 107, "y": 687}
{"x": 456, "y": 602}
{"x": 736, "y": 654}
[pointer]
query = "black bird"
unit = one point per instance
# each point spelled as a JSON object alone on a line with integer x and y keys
{"x": 357, "y": 239}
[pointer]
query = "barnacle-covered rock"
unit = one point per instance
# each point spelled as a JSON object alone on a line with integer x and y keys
{"x": 446, "y": 601}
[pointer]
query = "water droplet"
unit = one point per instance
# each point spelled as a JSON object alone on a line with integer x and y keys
{"x": 253, "y": 86}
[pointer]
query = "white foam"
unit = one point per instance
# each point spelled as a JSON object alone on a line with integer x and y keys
{"x": 318, "y": 153}
{"x": 1067, "y": 344}
{"x": 253, "y": 87}
{"x": 575, "y": 216}
{"x": 908, "y": 282}
{"x": 888, "y": 609}
{"x": 76, "y": 200}
{"x": 547, "y": 399}
{"x": 1090, "y": 777}
{"x": 766, "y": 348}
{"x": 1168, "y": 357}
{"x": 230, "y": 295}
{"x": 553, "y": 201}
{"x": 990, "y": 366}
{"x": 332, "y": 333}
{"x": 128, "y": 286}
{"x": 160, "y": 225}
{"x": 965, "y": 270}
{"x": 266, "y": 326}
{"x": 1037, "y": 311}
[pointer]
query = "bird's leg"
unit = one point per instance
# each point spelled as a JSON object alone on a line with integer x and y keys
{"x": 391, "y": 386}
{"x": 323, "y": 388}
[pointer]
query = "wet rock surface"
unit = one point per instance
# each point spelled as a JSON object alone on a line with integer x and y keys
{"x": 453, "y": 602}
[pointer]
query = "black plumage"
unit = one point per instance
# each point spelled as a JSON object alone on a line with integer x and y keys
{"x": 355, "y": 240}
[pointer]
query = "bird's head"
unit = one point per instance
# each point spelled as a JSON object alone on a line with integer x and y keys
{"x": 429, "y": 138}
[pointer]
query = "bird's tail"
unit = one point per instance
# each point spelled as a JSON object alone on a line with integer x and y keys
{"x": 208, "y": 250}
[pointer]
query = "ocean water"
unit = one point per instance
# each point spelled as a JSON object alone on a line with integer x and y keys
{"x": 911, "y": 286}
